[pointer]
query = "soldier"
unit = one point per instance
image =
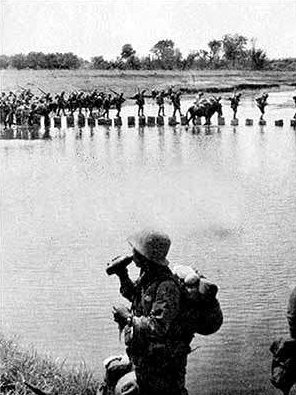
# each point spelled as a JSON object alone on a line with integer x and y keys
{"x": 176, "y": 101}
{"x": 118, "y": 101}
{"x": 61, "y": 103}
{"x": 106, "y": 106}
{"x": 261, "y": 102}
{"x": 156, "y": 343}
{"x": 140, "y": 101}
{"x": 294, "y": 98}
{"x": 284, "y": 352}
{"x": 234, "y": 102}
{"x": 160, "y": 102}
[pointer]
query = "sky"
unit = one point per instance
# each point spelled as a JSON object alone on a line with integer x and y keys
{"x": 101, "y": 27}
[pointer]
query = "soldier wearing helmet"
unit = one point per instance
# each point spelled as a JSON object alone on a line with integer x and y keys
{"x": 155, "y": 342}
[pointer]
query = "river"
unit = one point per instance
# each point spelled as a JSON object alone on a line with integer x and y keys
{"x": 227, "y": 198}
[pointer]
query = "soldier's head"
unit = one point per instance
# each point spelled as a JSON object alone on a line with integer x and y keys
{"x": 150, "y": 247}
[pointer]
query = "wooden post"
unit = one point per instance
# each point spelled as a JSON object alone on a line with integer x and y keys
{"x": 142, "y": 121}
{"x": 70, "y": 121}
{"x": 57, "y": 121}
{"x": 117, "y": 121}
{"x": 279, "y": 122}
{"x": 172, "y": 121}
{"x": 160, "y": 121}
{"x": 81, "y": 120}
{"x": 151, "y": 121}
{"x": 101, "y": 121}
{"x": 131, "y": 121}
{"x": 91, "y": 121}
{"x": 221, "y": 121}
{"x": 183, "y": 120}
{"x": 293, "y": 123}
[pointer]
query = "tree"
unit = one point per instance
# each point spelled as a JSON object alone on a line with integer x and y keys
{"x": 19, "y": 61}
{"x": 4, "y": 62}
{"x": 234, "y": 48}
{"x": 127, "y": 51}
{"x": 167, "y": 56}
{"x": 98, "y": 62}
{"x": 215, "y": 47}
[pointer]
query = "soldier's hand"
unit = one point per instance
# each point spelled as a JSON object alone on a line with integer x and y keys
{"x": 121, "y": 314}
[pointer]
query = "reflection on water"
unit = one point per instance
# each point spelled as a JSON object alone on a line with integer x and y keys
{"x": 226, "y": 195}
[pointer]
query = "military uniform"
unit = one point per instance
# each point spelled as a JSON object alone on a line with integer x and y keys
{"x": 156, "y": 342}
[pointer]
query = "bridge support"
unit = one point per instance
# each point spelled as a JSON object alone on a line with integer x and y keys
{"x": 117, "y": 121}
{"x": 234, "y": 122}
{"x": 57, "y": 121}
{"x": 81, "y": 120}
{"x": 183, "y": 120}
{"x": 172, "y": 121}
{"x": 293, "y": 123}
{"x": 262, "y": 122}
{"x": 70, "y": 121}
{"x": 91, "y": 121}
{"x": 151, "y": 121}
{"x": 221, "y": 121}
{"x": 279, "y": 122}
{"x": 249, "y": 122}
{"x": 142, "y": 121}
{"x": 131, "y": 121}
{"x": 160, "y": 121}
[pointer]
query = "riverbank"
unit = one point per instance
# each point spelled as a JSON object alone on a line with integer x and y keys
{"x": 190, "y": 82}
{"x": 19, "y": 366}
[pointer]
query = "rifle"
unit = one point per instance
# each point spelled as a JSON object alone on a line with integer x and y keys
{"x": 41, "y": 90}
{"x": 21, "y": 87}
{"x": 116, "y": 93}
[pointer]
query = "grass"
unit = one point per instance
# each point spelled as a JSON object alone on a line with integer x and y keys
{"x": 18, "y": 366}
{"x": 128, "y": 81}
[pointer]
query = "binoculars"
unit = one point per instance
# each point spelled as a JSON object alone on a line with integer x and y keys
{"x": 118, "y": 263}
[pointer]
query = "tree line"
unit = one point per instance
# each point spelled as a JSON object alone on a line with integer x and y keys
{"x": 230, "y": 52}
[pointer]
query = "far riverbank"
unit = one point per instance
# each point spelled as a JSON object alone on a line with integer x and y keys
{"x": 190, "y": 82}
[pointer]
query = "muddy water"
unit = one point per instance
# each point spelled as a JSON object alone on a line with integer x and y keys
{"x": 227, "y": 197}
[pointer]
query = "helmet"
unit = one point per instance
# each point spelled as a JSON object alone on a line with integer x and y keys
{"x": 152, "y": 244}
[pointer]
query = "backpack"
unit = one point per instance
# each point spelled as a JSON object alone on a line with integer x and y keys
{"x": 283, "y": 363}
{"x": 200, "y": 309}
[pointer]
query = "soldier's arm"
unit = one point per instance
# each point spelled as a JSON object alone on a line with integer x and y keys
{"x": 164, "y": 311}
{"x": 127, "y": 286}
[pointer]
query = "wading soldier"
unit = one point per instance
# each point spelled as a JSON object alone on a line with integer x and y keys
{"x": 234, "y": 102}
{"x": 118, "y": 101}
{"x": 140, "y": 101}
{"x": 176, "y": 101}
{"x": 160, "y": 102}
{"x": 261, "y": 102}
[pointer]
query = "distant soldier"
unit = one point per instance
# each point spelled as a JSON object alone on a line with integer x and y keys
{"x": 234, "y": 102}
{"x": 176, "y": 101}
{"x": 106, "y": 106}
{"x": 140, "y": 101}
{"x": 294, "y": 98}
{"x": 198, "y": 98}
{"x": 261, "y": 102}
{"x": 118, "y": 101}
{"x": 160, "y": 102}
{"x": 61, "y": 103}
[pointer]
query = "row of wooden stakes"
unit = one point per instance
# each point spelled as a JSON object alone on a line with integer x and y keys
{"x": 142, "y": 121}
